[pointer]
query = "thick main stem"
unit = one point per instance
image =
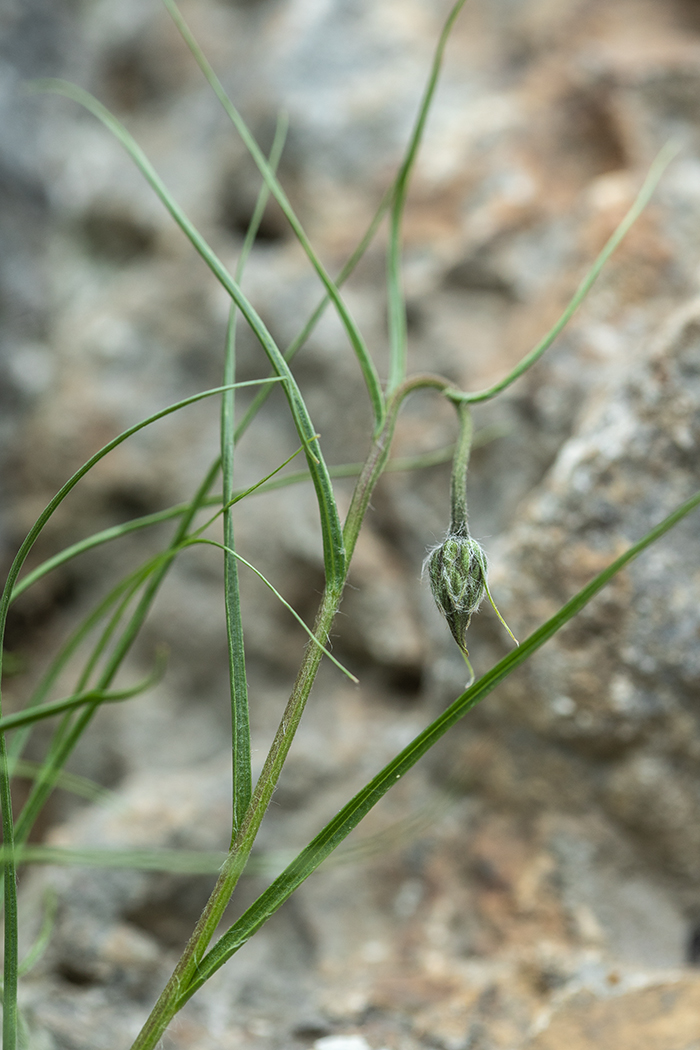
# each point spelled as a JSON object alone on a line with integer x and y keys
{"x": 175, "y": 993}
{"x": 170, "y": 1000}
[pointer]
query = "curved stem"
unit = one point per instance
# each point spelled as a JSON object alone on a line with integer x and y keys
{"x": 657, "y": 169}
{"x": 379, "y": 453}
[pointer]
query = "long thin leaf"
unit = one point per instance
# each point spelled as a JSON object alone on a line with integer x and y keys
{"x": 351, "y": 814}
{"x": 206, "y": 862}
{"x": 75, "y": 784}
{"x": 367, "y": 365}
{"x": 67, "y": 740}
{"x": 65, "y": 735}
{"x": 121, "y": 592}
{"x": 11, "y": 967}
{"x": 65, "y": 489}
{"x": 241, "y": 770}
{"x": 114, "y": 532}
{"x": 69, "y": 703}
{"x": 333, "y": 550}
{"x": 124, "y": 589}
{"x": 267, "y": 484}
{"x": 395, "y": 297}
{"x": 295, "y": 614}
{"x": 313, "y": 320}
{"x": 158, "y": 517}
{"x": 172, "y": 861}
{"x": 10, "y": 876}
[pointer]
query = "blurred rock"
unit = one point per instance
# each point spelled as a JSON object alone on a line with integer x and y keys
{"x": 649, "y": 1019}
{"x": 534, "y": 882}
{"x": 618, "y": 681}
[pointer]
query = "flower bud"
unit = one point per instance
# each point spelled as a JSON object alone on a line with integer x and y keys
{"x": 457, "y": 572}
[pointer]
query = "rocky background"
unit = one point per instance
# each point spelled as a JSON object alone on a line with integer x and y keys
{"x": 533, "y": 884}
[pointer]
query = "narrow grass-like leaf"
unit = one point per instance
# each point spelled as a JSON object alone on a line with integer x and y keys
{"x": 73, "y": 783}
{"x": 397, "y": 465}
{"x": 266, "y": 484}
{"x": 66, "y": 739}
{"x": 333, "y": 550}
{"x": 295, "y": 614}
{"x": 111, "y": 629}
{"x": 657, "y": 169}
{"x": 264, "y": 194}
{"x": 172, "y": 861}
{"x": 120, "y": 598}
{"x": 158, "y": 517}
{"x": 209, "y": 862}
{"x": 395, "y": 297}
{"x": 241, "y": 772}
{"x": 299, "y": 340}
{"x": 65, "y": 489}
{"x": 124, "y": 589}
{"x": 351, "y": 470}
{"x": 114, "y": 532}
{"x": 56, "y": 754}
{"x": 240, "y": 494}
{"x": 69, "y": 703}
{"x": 367, "y": 365}
{"x": 242, "y": 784}
{"x": 351, "y": 814}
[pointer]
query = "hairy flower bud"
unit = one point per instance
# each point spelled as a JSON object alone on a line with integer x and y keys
{"x": 457, "y": 572}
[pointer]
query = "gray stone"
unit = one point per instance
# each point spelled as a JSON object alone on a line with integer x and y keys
{"x": 541, "y": 866}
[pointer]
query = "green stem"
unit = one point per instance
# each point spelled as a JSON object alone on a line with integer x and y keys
{"x": 460, "y": 464}
{"x": 657, "y": 169}
{"x": 186, "y": 970}
{"x": 379, "y": 453}
{"x": 396, "y": 301}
